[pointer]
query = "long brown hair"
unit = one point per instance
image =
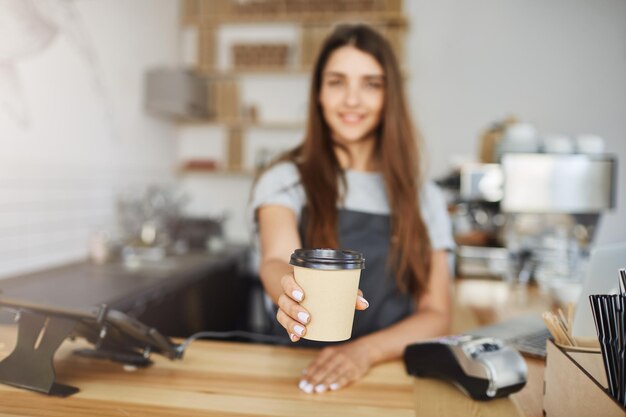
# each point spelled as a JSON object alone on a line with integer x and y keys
{"x": 320, "y": 171}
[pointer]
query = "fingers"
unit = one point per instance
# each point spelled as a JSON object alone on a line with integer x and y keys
{"x": 329, "y": 370}
{"x": 294, "y": 328}
{"x": 325, "y": 363}
{"x": 293, "y": 309}
{"x": 328, "y": 380}
{"x": 290, "y": 314}
{"x": 361, "y": 302}
{"x": 329, "y": 375}
{"x": 291, "y": 288}
{"x": 334, "y": 381}
{"x": 340, "y": 382}
{"x": 304, "y": 384}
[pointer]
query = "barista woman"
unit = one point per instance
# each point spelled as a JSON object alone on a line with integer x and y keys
{"x": 354, "y": 183}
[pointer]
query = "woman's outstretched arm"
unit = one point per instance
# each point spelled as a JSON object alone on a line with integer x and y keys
{"x": 279, "y": 238}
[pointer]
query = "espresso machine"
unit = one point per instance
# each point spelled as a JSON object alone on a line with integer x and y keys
{"x": 553, "y": 204}
{"x": 531, "y": 215}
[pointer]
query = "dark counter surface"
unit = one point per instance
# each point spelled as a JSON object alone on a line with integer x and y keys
{"x": 85, "y": 284}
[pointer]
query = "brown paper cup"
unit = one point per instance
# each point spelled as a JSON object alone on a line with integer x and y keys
{"x": 330, "y": 282}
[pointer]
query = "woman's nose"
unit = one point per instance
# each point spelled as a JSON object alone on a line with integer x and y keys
{"x": 352, "y": 97}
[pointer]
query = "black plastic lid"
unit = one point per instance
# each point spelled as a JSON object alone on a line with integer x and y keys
{"x": 329, "y": 259}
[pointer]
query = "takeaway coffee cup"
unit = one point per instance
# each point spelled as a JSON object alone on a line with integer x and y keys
{"x": 330, "y": 281}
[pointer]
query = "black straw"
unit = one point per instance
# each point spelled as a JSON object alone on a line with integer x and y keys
{"x": 609, "y": 315}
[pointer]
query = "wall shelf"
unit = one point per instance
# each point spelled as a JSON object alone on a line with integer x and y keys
{"x": 310, "y": 18}
{"x": 299, "y": 11}
{"x": 241, "y": 124}
{"x": 255, "y": 72}
{"x": 223, "y": 172}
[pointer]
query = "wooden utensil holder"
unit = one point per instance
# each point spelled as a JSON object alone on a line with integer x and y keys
{"x": 575, "y": 385}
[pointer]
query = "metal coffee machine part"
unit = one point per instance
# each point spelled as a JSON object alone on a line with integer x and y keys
{"x": 553, "y": 204}
{"x": 542, "y": 208}
{"x": 558, "y": 183}
{"x": 484, "y": 368}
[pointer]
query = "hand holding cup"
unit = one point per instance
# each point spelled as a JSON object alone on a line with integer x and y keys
{"x": 320, "y": 296}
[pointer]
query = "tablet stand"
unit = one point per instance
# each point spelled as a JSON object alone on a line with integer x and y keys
{"x": 42, "y": 329}
{"x": 126, "y": 358}
{"x": 30, "y": 365}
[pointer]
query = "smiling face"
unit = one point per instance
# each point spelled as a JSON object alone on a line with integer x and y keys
{"x": 352, "y": 94}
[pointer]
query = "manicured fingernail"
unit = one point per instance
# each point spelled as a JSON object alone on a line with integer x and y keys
{"x": 308, "y": 388}
{"x": 303, "y": 317}
{"x": 363, "y": 300}
{"x": 302, "y": 384}
{"x": 334, "y": 386}
{"x": 298, "y": 295}
{"x": 298, "y": 329}
{"x": 292, "y": 337}
{"x": 320, "y": 388}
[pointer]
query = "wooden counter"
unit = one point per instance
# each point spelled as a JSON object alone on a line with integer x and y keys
{"x": 235, "y": 379}
{"x": 213, "y": 379}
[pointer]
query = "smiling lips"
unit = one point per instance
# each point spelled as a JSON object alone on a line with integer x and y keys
{"x": 351, "y": 118}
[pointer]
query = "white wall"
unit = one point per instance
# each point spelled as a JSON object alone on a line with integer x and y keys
{"x": 73, "y": 132}
{"x": 560, "y": 65}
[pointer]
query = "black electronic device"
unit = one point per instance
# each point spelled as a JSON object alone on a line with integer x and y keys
{"x": 42, "y": 328}
{"x": 482, "y": 367}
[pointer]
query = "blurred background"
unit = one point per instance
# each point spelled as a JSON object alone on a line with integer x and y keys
{"x": 133, "y": 129}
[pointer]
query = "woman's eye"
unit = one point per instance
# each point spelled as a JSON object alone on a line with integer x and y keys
{"x": 334, "y": 83}
{"x": 374, "y": 85}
